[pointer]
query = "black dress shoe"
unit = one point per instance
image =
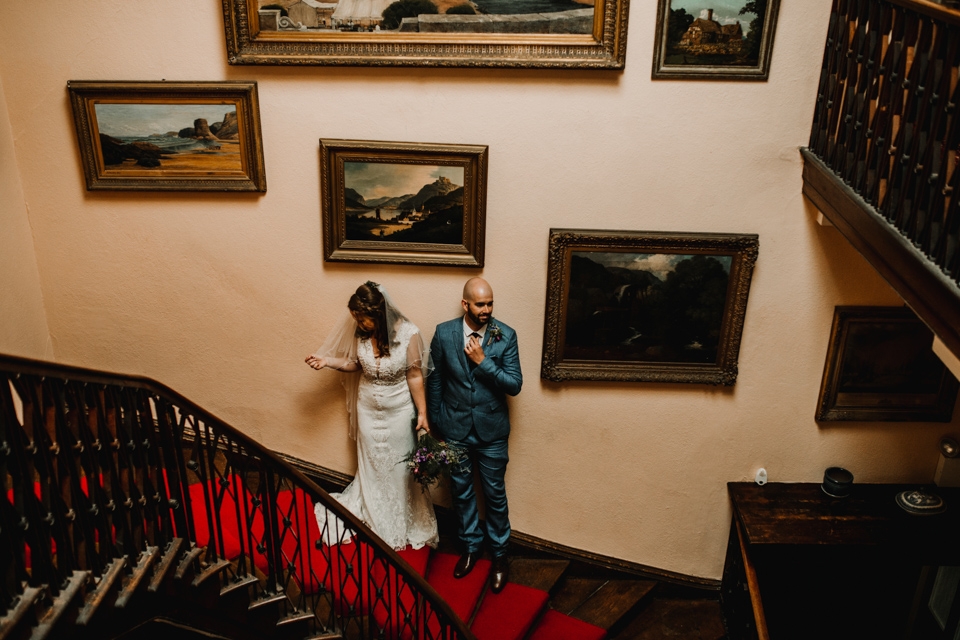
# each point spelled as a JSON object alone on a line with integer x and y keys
{"x": 499, "y": 574}
{"x": 465, "y": 564}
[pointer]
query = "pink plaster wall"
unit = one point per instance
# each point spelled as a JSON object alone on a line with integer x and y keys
{"x": 221, "y": 296}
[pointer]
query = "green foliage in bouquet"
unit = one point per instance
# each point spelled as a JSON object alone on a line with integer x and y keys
{"x": 431, "y": 460}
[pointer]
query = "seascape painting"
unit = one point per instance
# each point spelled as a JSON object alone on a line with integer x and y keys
{"x": 403, "y": 202}
{"x": 645, "y": 307}
{"x": 169, "y": 138}
{"x": 427, "y": 16}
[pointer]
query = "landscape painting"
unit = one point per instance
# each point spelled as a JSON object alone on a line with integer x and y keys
{"x": 587, "y": 34}
{"x": 881, "y": 367}
{"x": 728, "y": 39}
{"x": 403, "y": 202}
{"x": 169, "y": 136}
{"x": 646, "y": 306}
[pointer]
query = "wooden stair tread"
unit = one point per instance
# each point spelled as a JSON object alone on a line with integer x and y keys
{"x": 108, "y": 581}
{"x": 144, "y": 564}
{"x": 573, "y": 592}
{"x": 613, "y": 601}
{"x": 166, "y": 564}
{"x": 24, "y": 605}
{"x": 61, "y": 602}
{"x": 666, "y": 619}
{"x": 536, "y": 573}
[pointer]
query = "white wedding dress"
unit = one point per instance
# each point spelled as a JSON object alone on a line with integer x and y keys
{"x": 384, "y": 494}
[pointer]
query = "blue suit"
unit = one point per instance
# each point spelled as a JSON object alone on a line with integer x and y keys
{"x": 468, "y": 406}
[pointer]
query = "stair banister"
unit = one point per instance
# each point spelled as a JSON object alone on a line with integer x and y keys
{"x": 104, "y": 467}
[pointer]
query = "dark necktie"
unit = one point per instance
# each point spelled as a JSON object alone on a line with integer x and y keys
{"x": 469, "y": 361}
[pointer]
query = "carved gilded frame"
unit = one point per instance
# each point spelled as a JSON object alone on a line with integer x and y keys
{"x": 612, "y": 361}
{"x": 244, "y": 173}
{"x": 337, "y": 247}
{"x": 604, "y": 48}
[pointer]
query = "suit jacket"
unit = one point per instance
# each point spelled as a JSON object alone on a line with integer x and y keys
{"x": 460, "y": 396}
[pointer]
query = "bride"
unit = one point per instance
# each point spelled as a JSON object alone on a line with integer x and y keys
{"x": 384, "y": 361}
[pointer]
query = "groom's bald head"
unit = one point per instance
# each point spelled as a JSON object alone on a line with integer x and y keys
{"x": 477, "y": 302}
{"x": 476, "y": 288}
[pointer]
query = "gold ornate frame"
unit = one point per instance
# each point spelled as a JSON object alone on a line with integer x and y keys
{"x": 886, "y": 402}
{"x": 664, "y": 71}
{"x": 741, "y": 248}
{"x": 84, "y": 96}
{"x": 336, "y": 246}
{"x": 605, "y": 48}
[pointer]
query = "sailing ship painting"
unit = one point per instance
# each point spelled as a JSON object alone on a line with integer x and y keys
{"x": 412, "y": 16}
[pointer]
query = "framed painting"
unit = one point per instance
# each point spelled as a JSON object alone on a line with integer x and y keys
{"x": 881, "y": 367}
{"x": 570, "y": 34}
{"x": 169, "y": 136}
{"x": 645, "y": 306}
{"x": 714, "y": 39}
{"x": 402, "y": 202}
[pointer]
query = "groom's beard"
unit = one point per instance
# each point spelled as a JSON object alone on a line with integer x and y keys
{"x": 480, "y": 320}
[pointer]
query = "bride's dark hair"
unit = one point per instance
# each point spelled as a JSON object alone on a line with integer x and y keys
{"x": 369, "y": 302}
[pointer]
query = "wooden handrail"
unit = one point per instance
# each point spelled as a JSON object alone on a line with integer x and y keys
{"x": 885, "y": 144}
{"x": 130, "y": 464}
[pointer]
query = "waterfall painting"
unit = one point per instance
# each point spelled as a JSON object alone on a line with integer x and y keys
{"x": 644, "y": 306}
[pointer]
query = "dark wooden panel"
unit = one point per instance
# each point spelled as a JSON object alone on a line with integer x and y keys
{"x": 801, "y": 514}
{"x": 928, "y": 291}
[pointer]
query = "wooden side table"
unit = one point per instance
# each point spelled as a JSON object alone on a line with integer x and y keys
{"x": 801, "y": 564}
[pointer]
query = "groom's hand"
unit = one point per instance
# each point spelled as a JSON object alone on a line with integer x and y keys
{"x": 474, "y": 351}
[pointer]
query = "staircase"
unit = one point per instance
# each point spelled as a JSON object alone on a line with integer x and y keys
{"x": 131, "y": 513}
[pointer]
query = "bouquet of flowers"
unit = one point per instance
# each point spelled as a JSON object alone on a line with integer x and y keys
{"x": 430, "y": 460}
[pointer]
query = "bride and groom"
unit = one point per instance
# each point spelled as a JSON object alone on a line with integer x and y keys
{"x": 457, "y": 389}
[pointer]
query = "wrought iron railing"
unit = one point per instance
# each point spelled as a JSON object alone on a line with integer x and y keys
{"x": 104, "y": 473}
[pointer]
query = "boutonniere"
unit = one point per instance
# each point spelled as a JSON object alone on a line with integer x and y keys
{"x": 495, "y": 333}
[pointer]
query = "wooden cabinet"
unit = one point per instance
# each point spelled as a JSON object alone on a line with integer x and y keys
{"x": 801, "y": 564}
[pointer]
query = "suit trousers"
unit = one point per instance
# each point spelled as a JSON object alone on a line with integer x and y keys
{"x": 491, "y": 459}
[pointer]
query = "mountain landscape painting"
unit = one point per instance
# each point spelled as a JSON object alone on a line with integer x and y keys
{"x": 646, "y": 307}
{"x": 170, "y": 138}
{"x": 408, "y": 203}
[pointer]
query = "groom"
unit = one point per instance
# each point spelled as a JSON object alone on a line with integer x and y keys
{"x": 477, "y": 365}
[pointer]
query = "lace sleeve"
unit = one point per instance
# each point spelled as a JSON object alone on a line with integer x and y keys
{"x": 418, "y": 352}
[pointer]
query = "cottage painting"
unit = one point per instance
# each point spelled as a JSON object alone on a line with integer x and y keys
{"x": 714, "y": 32}
{"x": 645, "y": 307}
{"x": 169, "y": 138}
{"x": 397, "y": 202}
{"x": 427, "y": 16}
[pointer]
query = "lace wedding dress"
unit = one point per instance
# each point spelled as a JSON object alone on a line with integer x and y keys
{"x": 384, "y": 494}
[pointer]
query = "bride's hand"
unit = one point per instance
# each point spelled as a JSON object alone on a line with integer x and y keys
{"x": 315, "y": 362}
{"x": 422, "y": 423}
